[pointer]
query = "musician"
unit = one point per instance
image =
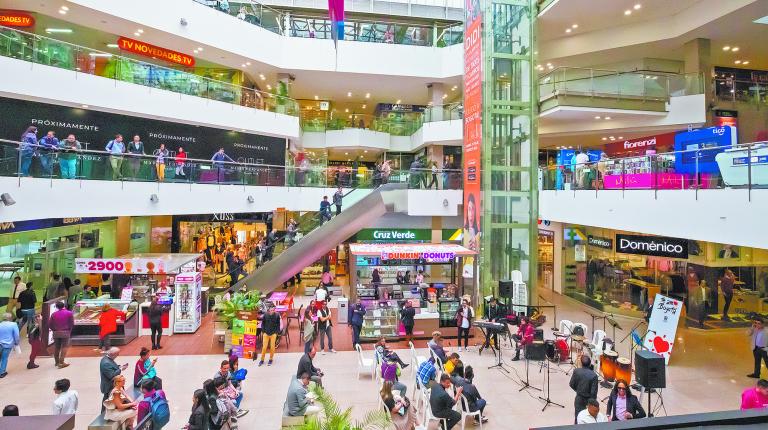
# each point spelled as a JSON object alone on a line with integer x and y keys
{"x": 622, "y": 404}
{"x": 584, "y": 383}
{"x": 496, "y": 311}
{"x": 524, "y": 336}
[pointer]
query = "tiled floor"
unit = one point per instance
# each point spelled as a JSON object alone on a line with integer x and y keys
{"x": 706, "y": 374}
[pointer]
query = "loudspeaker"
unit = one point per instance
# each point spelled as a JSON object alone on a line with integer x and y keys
{"x": 538, "y": 334}
{"x": 650, "y": 370}
{"x": 506, "y": 289}
{"x": 536, "y": 351}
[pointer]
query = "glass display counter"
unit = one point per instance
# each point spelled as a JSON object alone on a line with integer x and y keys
{"x": 87, "y": 313}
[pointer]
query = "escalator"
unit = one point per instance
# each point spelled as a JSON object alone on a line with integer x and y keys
{"x": 322, "y": 238}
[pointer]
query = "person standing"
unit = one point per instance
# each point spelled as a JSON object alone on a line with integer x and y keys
{"x": 109, "y": 369}
{"x": 181, "y": 159}
{"x": 156, "y": 322}
{"x": 755, "y": 397}
{"x": 108, "y": 325}
{"x": 219, "y": 159}
{"x": 325, "y": 210}
{"x": 136, "y": 152}
{"x": 116, "y": 149}
{"x": 69, "y": 148}
{"x": 434, "y": 182}
{"x": 442, "y": 403}
{"x": 46, "y": 149}
{"x": 758, "y": 343}
{"x": 27, "y": 301}
{"x": 66, "y": 399}
{"x": 622, "y": 404}
{"x": 35, "y": 343}
{"x": 356, "y": 321}
{"x": 270, "y": 327}
{"x": 726, "y": 285}
{"x": 308, "y": 329}
{"x": 464, "y": 318}
{"x": 338, "y": 196}
{"x": 160, "y": 155}
{"x": 325, "y": 327}
{"x": 13, "y": 297}
{"x": 53, "y": 287}
{"x": 9, "y": 338}
{"x": 407, "y": 315}
{"x": 27, "y": 150}
{"x": 61, "y": 324}
{"x": 584, "y": 383}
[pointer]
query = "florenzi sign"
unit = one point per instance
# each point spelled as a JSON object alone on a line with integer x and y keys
{"x": 16, "y": 19}
{"x": 147, "y": 50}
{"x": 656, "y": 246}
{"x": 600, "y": 242}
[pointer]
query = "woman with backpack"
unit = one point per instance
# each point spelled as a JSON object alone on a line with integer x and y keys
{"x": 201, "y": 412}
{"x": 154, "y": 402}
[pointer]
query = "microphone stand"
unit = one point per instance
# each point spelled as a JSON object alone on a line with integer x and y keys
{"x": 526, "y": 384}
{"x": 499, "y": 360}
{"x": 547, "y": 400}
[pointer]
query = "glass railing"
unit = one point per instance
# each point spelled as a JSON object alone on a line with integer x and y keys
{"x": 740, "y": 91}
{"x": 738, "y": 166}
{"x": 447, "y": 112}
{"x": 396, "y": 125}
{"x": 651, "y": 86}
{"x": 319, "y": 27}
{"x": 50, "y": 52}
{"x": 39, "y": 161}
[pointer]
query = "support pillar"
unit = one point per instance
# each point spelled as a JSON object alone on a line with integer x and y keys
{"x": 435, "y": 93}
{"x": 699, "y": 69}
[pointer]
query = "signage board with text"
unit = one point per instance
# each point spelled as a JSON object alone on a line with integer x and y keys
{"x": 394, "y": 234}
{"x": 145, "y": 49}
{"x": 655, "y": 246}
{"x": 13, "y": 18}
{"x": 662, "y": 327}
{"x": 600, "y": 242}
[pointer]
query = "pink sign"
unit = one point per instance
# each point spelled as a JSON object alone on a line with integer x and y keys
{"x": 663, "y": 181}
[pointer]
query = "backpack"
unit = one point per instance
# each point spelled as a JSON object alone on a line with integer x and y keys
{"x": 161, "y": 413}
{"x": 222, "y": 416}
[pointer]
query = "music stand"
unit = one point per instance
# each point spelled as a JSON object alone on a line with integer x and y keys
{"x": 613, "y": 324}
{"x": 594, "y": 318}
{"x": 547, "y": 400}
{"x": 526, "y": 384}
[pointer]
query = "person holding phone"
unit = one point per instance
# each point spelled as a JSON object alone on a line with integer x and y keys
{"x": 399, "y": 407}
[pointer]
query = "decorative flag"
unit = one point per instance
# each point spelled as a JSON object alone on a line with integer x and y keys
{"x": 336, "y": 13}
{"x": 663, "y": 325}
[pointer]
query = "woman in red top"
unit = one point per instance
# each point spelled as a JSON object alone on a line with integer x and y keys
{"x": 181, "y": 158}
{"x": 524, "y": 335}
{"x": 108, "y": 325}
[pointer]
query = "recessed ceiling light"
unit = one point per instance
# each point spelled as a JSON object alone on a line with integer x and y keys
{"x": 735, "y": 49}
{"x": 366, "y": 151}
{"x": 64, "y": 8}
{"x": 350, "y": 116}
{"x": 737, "y": 62}
{"x": 745, "y": 62}
{"x": 247, "y": 63}
{"x": 140, "y": 31}
{"x": 398, "y": 101}
{"x": 621, "y": 137}
{"x": 242, "y": 65}
{"x": 549, "y": 64}
{"x": 346, "y": 153}
{"x": 445, "y": 96}
{"x": 62, "y": 11}
{"x": 349, "y": 94}
{"x": 611, "y": 137}
{"x": 364, "y": 106}
{"x": 85, "y": 106}
{"x": 638, "y": 6}
{"x": 726, "y": 48}
{"x": 607, "y": 118}
{"x": 58, "y": 30}
{"x": 199, "y": 48}
{"x": 316, "y": 98}
{"x": 627, "y": 12}
{"x": 605, "y": 138}
{"x": 262, "y": 77}
{"x": 137, "y": 34}
{"x": 568, "y": 30}
{"x": 367, "y": 95}
{"x": 346, "y": 110}
{"x": 597, "y": 117}
{"x": 575, "y": 26}
{"x": 111, "y": 45}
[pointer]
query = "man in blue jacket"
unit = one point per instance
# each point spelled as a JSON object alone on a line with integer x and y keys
{"x": 48, "y": 144}
{"x": 358, "y": 312}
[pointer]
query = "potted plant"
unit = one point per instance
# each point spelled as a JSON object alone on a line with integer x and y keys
{"x": 333, "y": 418}
{"x": 226, "y": 310}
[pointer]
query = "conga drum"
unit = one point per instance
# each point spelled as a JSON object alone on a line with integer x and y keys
{"x": 624, "y": 369}
{"x": 608, "y": 365}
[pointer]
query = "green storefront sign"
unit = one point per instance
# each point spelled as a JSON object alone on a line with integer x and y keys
{"x": 394, "y": 234}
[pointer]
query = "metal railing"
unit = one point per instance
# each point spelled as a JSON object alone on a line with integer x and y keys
{"x": 741, "y": 91}
{"x": 743, "y": 166}
{"x": 80, "y": 59}
{"x": 22, "y": 159}
{"x": 359, "y": 30}
{"x": 649, "y": 86}
{"x": 317, "y": 121}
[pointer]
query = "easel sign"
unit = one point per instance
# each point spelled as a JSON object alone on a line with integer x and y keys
{"x": 662, "y": 327}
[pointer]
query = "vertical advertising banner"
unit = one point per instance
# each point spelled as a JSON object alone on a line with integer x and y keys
{"x": 473, "y": 116}
{"x": 662, "y": 326}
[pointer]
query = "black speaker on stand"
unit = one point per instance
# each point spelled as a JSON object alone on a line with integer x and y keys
{"x": 506, "y": 289}
{"x": 650, "y": 372}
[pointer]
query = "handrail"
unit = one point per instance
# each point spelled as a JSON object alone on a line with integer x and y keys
{"x": 432, "y": 113}
{"x": 291, "y": 104}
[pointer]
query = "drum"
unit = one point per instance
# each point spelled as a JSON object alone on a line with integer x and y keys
{"x": 608, "y": 365}
{"x": 624, "y": 369}
{"x": 559, "y": 334}
{"x": 550, "y": 350}
{"x": 562, "y": 349}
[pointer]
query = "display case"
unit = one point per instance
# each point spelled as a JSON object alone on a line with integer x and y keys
{"x": 447, "y": 309}
{"x": 188, "y": 309}
{"x": 87, "y": 313}
{"x": 652, "y": 171}
{"x": 382, "y": 320}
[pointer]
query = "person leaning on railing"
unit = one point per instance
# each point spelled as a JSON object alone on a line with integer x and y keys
{"x": 116, "y": 148}
{"x": 68, "y": 157}
{"x": 27, "y": 149}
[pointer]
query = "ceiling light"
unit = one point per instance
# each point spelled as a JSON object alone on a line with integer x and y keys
{"x": 99, "y": 54}
{"x": 346, "y": 110}
{"x": 612, "y": 138}
{"x": 550, "y": 67}
{"x": 62, "y": 11}
{"x": 621, "y": 137}
{"x": 85, "y": 106}
{"x": 445, "y": 96}
{"x": 199, "y": 48}
{"x": 398, "y": 101}
{"x": 247, "y": 63}
{"x": 58, "y": 30}
{"x": 638, "y": 6}
{"x": 137, "y": 34}
{"x": 726, "y": 48}
{"x": 242, "y": 65}
{"x": 745, "y": 62}
{"x": 737, "y": 62}
{"x": 111, "y": 45}
{"x": 605, "y": 138}
{"x": 735, "y": 49}
{"x": 627, "y": 12}
{"x": 140, "y": 31}
{"x": 349, "y": 159}
{"x": 349, "y": 94}
{"x": 364, "y": 106}
{"x": 346, "y": 153}
{"x": 366, "y": 151}
{"x": 607, "y": 118}
{"x": 350, "y": 116}
{"x": 316, "y": 98}
{"x": 575, "y": 26}
{"x": 269, "y": 87}
{"x": 367, "y": 95}
{"x": 64, "y": 8}
{"x": 262, "y": 77}
{"x": 549, "y": 64}
{"x": 568, "y": 30}
{"x": 597, "y": 117}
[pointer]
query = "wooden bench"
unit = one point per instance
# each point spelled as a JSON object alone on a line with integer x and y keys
{"x": 101, "y": 424}
{"x": 291, "y": 422}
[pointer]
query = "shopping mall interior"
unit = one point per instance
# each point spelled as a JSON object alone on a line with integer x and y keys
{"x": 496, "y": 213}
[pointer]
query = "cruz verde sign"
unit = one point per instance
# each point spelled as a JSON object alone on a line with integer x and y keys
{"x": 394, "y": 234}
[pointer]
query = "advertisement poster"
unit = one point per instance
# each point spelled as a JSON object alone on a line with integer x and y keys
{"x": 663, "y": 325}
{"x": 473, "y": 130}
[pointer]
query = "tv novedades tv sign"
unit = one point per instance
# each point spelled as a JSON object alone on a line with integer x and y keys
{"x": 656, "y": 246}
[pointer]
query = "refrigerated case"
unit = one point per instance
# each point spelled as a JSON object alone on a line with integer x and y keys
{"x": 381, "y": 321}
{"x": 447, "y": 309}
{"x": 87, "y": 313}
{"x": 188, "y": 309}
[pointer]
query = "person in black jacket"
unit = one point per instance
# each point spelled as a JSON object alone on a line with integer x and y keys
{"x": 622, "y": 404}
{"x": 201, "y": 412}
{"x": 270, "y": 327}
{"x": 406, "y": 317}
{"x": 211, "y": 394}
{"x": 463, "y": 378}
{"x": 306, "y": 366}
{"x": 584, "y": 383}
{"x": 156, "y": 322}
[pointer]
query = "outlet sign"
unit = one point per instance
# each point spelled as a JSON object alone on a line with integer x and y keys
{"x": 656, "y": 246}
{"x": 394, "y": 235}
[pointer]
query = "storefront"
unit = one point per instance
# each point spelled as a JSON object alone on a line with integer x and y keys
{"x": 448, "y": 272}
{"x": 621, "y": 272}
{"x": 174, "y": 278}
{"x": 546, "y": 260}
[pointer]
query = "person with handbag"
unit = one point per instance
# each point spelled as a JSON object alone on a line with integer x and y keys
{"x": 16, "y": 290}
{"x": 119, "y": 406}
{"x": 308, "y": 329}
{"x": 61, "y": 324}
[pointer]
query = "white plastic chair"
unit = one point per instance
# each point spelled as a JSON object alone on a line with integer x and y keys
{"x": 377, "y": 367}
{"x": 466, "y": 413}
{"x": 566, "y": 327}
{"x": 364, "y": 364}
{"x": 597, "y": 347}
{"x": 443, "y": 423}
{"x": 416, "y": 360}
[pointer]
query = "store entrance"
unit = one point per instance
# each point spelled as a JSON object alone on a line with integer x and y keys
{"x": 546, "y": 263}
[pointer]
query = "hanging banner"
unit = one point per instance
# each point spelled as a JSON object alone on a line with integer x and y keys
{"x": 662, "y": 326}
{"x": 473, "y": 130}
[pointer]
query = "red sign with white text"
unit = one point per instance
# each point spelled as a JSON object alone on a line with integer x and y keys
{"x": 147, "y": 50}
{"x": 636, "y": 147}
{"x": 473, "y": 126}
{"x": 10, "y": 18}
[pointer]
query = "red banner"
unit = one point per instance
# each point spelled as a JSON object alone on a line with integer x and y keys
{"x": 147, "y": 50}
{"x": 10, "y": 18}
{"x": 636, "y": 147}
{"x": 473, "y": 129}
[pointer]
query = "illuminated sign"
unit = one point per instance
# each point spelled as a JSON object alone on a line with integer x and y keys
{"x": 410, "y": 255}
{"x": 16, "y": 19}
{"x": 119, "y": 265}
{"x": 147, "y": 50}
